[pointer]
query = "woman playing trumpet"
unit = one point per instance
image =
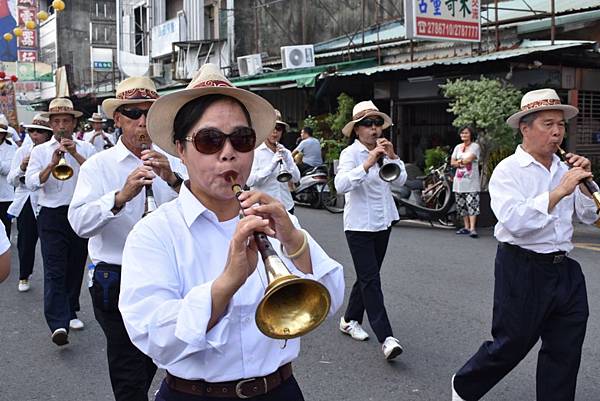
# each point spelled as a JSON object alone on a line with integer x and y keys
{"x": 274, "y": 166}
{"x": 191, "y": 277}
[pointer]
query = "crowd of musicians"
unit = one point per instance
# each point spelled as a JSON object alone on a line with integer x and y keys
{"x": 182, "y": 255}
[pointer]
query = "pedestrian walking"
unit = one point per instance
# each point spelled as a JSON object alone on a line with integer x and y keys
{"x": 7, "y": 191}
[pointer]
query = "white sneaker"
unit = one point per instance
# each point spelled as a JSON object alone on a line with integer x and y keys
{"x": 353, "y": 329}
{"x": 391, "y": 348}
{"x": 76, "y": 324}
{"x": 60, "y": 337}
{"x": 455, "y": 396}
{"x": 24, "y": 285}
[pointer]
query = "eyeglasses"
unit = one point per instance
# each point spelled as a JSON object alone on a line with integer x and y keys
{"x": 133, "y": 114}
{"x": 39, "y": 131}
{"x": 369, "y": 122}
{"x": 212, "y": 140}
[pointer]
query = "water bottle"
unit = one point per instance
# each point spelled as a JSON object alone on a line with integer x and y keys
{"x": 91, "y": 269}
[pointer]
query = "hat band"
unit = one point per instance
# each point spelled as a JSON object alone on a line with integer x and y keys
{"x": 364, "y": 113}
{"x": 137, "y": 93}
{"x": 540, "y": 103}
{"x": 211, "y": 83}
{"x": 2, "y": 126}
{"x": 60, "y": 108}
{"x": 40, "y": 122}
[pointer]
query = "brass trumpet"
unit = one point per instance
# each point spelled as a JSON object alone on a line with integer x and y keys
{"x": 62, "y": 171}
{"x": 292, "y": 306}
{"x": 388, "y": 172}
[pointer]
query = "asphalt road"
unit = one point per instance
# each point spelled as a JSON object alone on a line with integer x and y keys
{"x": 438, "y": 290}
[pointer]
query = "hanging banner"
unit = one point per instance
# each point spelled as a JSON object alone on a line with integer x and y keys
{"x": 447, "y": 20}
{"x": 8, "y": 102}
{"x": 27, "y": 43}
{"x": 35, "y": 72}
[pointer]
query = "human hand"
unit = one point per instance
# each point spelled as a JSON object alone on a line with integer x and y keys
{"x": 136, "y": 180}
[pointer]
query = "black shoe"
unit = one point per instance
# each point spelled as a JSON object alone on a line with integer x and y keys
{"x": 473, "y": 234}
{"x": 60, "y": 337}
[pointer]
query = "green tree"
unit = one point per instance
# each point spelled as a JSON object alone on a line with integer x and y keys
{"x": 484, "y": 104}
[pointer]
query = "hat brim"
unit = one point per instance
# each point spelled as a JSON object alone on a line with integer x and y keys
{"x": 96, "y": 121}
{"x": 568, "y": 110}
{"x": 35, "y": 126}
{"x": 74, "y": 113}
{"x": 162, "y": 113}
{"x": 111, "y": 105}
{"x": 387, "y": 122}
{"x": 287, "y": 126}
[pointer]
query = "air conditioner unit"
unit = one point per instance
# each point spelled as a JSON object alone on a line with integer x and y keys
{"x": 250, "y": 65}
{"x": 298, "y": 56}
{"x": 157, "y": 69}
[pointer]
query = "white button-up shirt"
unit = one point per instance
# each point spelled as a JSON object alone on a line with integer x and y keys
{"x": 520, "y": 192}
{"x": 99, "y": 141}
{"x": 54, "y": 193}
{"x": 7, "y": 152}
{"x": 90, "y": 210}
{"x": 170, "y": 261}
{"x": 14, "y": 178}
{"x": 265, "y": 169}
{"x": 369, "y": 202}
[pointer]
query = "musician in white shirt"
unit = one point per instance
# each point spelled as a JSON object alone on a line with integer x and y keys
{"x": 7, "y": 191}
{"x": 109, "y": 199}
{"x": 64, "y": 253}
{"x": 191, "y": 275}
{"x": 97, "y": 136}
{"x": 539, "y": 291}
{"x": 270, "y": 160}
{"x": 25, "y": 205}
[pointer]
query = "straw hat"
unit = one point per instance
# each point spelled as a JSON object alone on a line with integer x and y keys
{"x": 131, "y": 91}
{"x": 279, "y": 121}
{"x": 362, "y": 110}
{"x": 3, "y": 124}
{"x": 97, "y": 118}
{"x": 39, "y": 122}
{"x": 208, "y": 81}
{"x": 541, "y": 100}
{"x": 61, "y": 105}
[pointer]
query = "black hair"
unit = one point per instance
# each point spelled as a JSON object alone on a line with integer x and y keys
{"x": 192, "y": 111}
{"x": 528, "y": 119}
{"x": 471, "y": 130}
{"x": 352, "y": 137}
{"x": 308, "y": 130}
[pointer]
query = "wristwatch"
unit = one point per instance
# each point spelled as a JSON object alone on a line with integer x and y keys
{"x": 178, "y": 182}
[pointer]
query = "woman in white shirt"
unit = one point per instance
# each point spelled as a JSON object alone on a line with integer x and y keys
{"x": 191, "y": 277}
{"x": 368, "y": 214}
{"x": 466, "y": 185}
{"x": 7, "y": 191}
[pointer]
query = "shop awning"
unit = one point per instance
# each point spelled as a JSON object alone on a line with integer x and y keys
{"x": 302, "y": 77}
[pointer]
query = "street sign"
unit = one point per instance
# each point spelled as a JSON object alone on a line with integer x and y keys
{"x": 447, "y": 20}
{"x": 101, "y": 59}
{"x": 103, "y": 65}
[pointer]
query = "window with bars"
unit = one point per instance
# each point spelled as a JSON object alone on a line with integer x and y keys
{"x": 587, "y": 141}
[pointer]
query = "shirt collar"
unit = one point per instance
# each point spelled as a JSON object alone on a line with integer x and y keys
{"x": 525, "y": 159}
{"x": 122, "y": 151}
{"x": 190, "y": 206}
{"x": 360, "y": 146}
{"x": 262, "y": 146}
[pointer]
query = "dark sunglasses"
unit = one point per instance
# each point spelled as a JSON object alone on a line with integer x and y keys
{"x": 279, "y": 127}
{"x": 39, "y": 131}
{"x": 133, "y": 114}
{"x": 369, "y": 122}
{"x": 212, "y": 140}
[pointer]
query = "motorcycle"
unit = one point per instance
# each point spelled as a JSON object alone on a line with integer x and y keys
{"x": 428, "y": 198}
{"x": 308, "y": 190}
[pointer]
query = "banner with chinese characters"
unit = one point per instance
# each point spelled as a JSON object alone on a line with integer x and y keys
{"x": 27, "y": 43}
{"x": 8, "y": 102}
{"x": 448, "y": 20}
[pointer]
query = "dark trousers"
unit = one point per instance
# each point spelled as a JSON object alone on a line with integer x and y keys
{"x": 532, "y": 300}
{"x": 4, "y": 217}
{"x": 287, "y": 391}
{"x": 26, "y": 240}
{"x": 368, "y": 250}
{"x": 64, "y": 255}
{"x": 131, "y": 371}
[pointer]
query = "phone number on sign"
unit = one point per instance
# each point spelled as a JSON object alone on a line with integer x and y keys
{"x": 447, "y": 29}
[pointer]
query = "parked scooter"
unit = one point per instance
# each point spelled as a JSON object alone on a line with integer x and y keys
{"x": 308, "y": 190}
{"x": 428, "y": 198}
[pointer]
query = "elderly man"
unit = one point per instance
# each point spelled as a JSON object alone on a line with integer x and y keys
{"x": 97, "y": 136}
{"x": 539, "y": 292}
{"x": 64, "y": 253}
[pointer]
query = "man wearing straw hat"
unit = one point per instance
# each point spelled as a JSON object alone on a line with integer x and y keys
{"x": 109, "y": 200}
{"x": 64, "y": 253}
{"x": 539, "y": 291}
{"x": 25, "y": 205}
{"x": 97, "y": 136}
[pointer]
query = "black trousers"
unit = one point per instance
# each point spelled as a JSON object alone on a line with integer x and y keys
{"x": 26, "y": 240}
{"x": 131, "y": 371}
{"x": 532, "y": 300}
{"x": 368, "y": 250}
{"x": 64, "y": 255}
{"x": 287, "y": 391}
{"x": 4, "y": 217}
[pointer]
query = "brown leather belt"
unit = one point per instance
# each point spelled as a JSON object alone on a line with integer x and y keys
{"x": 245, "y": 388}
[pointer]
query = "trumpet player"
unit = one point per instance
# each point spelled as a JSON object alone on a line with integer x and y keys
{"x": 97, "y": 136}
{"x": 25, "y": 205}
{"x": 274, "y": 166}
{"x": 63, "y": 252}
{"x": 191, "y": 278}
{"x": 110, "y": 198}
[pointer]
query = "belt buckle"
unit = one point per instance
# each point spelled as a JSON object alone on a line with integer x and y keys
{"x": 238, "y": 387}
{"x": 558, "y": 259}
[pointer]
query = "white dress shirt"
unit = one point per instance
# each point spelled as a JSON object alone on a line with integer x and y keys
{"x": 170, "y": 261}
{"x": 54, "y": 193}
{"x": 265, "y": 169}
{"x": 4, "y": 242}
{"x": 14, "y": 178}
{"x": 99, "y": 141}
{"x": 90, "y": 210}
{"x": 369, "y": 202}
{"x": 7, "y": 152}
{"x": 520, "y": 192}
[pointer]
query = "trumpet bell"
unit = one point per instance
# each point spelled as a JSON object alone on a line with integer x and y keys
{"x": 62, "y": 171}
{"x": 284, "y": 176}
{"x": 389, "y": 172}
{"x": 292, "y": 307}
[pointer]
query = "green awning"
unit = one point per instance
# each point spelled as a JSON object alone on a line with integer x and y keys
{"x": 302, "y": 77}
